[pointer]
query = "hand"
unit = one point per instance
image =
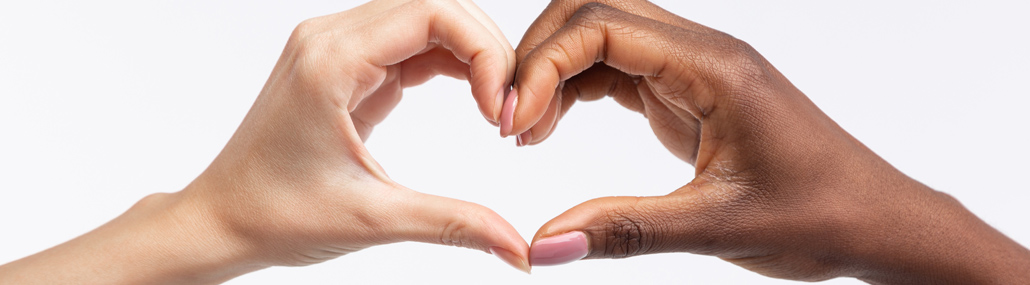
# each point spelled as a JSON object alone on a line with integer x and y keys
{"x": 296, "y": 179}
{"x": 295, "y": 184}
{"x": 779, "y": 188}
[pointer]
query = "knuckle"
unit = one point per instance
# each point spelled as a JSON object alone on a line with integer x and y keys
{"x": 566, "y": 3}
{"x": 454, "y": 234}
{"x": 303, "y": 42}
{"x": 155, "y": 198}
{"x": 429, "y": 5}
{"x": 304, "y": 30}
{"x": 308, "y": 50}
{"x": 591, "y": 12}
{"x": 947, "y": 198}
{"x": 747, "y": 56}
{"x": 742, "y": 65}
{"x": 461, "y": 230}
{"x": 305, "y": 27}
{"x": 626, "y": 236}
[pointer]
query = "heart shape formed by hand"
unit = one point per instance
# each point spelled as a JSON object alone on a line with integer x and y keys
{"x": 778, "y": 188}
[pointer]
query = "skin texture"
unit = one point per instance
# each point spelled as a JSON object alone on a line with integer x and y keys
{"x": 779, "y": 189}
{"x": 295, "y": 184}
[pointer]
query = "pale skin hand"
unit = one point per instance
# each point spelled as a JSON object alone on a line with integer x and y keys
{"x": 295, "y": 185}
{"x": 780, "y": 189}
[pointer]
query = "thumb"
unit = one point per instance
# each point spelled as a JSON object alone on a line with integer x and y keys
{"x": 620, "y": 227}
{"x": 433, "y": 219}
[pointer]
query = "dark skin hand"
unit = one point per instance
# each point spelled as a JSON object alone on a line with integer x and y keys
{"x": 779, "y": 189}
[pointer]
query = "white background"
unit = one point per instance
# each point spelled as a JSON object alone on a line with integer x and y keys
{"x": 103, "y": 102}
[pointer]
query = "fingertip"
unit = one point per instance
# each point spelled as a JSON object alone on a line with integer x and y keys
{"x": 526, "y": 138}
{"x": 544, "y": 127}
{"x": 534, "y": 85}
{"x": 447, "y": 221}
{"x": 559, "y": 249}
{"x": 489, "y": 94}
{"x": 498, "y": 104}
{"x": 514, "y": 260}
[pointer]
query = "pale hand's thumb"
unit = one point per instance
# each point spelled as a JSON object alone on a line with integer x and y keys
{"x": 433, "y": 219}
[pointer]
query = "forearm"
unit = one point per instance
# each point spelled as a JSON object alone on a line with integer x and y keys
{"x": 946, "y": 244}
{"x": 164, "y": 238}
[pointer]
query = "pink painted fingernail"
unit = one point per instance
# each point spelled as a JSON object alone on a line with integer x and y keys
{"x": 508, "y": 113}
{"x": 559, "y": 249}
{"x": 525, "y": 138}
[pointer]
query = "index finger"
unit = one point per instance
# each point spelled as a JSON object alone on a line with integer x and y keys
{"x": 531, "y": 106}
{"x": 475, "y": 11}
{"x": 407, "y": 30}
{"x": 596, "y": 33}
{"x": 558, "y": 13}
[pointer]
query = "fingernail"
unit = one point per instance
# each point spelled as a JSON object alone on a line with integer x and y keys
{"x": 498, "y": 103}
{"x": 490, "y": 120}
{"x": 525, "y": 138}
{"x": 559, "y": 249}
{"x": 510, "y": 258}
{"x": 508, "y": 113}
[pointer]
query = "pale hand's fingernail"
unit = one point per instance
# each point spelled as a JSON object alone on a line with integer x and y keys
{"x": 508, "y": 113}
{"x": 559, "y": 249}
{"x": 510, "y": 258}
{"x": 491, "y": 121}
{"x": 499, "y": 104}
{"x": 525, "y": 138}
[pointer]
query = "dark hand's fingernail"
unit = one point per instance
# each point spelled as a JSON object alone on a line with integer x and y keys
{"x": 559, "y": 249}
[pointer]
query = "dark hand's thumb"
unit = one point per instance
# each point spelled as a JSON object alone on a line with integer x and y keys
{"x": 620, "y": 227}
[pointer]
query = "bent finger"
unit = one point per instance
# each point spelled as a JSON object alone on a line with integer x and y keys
{"x": 407, "y": 30}
{"x": 592, "y": 84}
{"x": 597, "y": 33}
{"x": 558, "y": 13}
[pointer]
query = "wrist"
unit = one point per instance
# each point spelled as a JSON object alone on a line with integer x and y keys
{"x": 199, "y": 247}
{"x": 172, "y": 238}
{"x": 930, "y": 238}
{"x": 162, "y": 239}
